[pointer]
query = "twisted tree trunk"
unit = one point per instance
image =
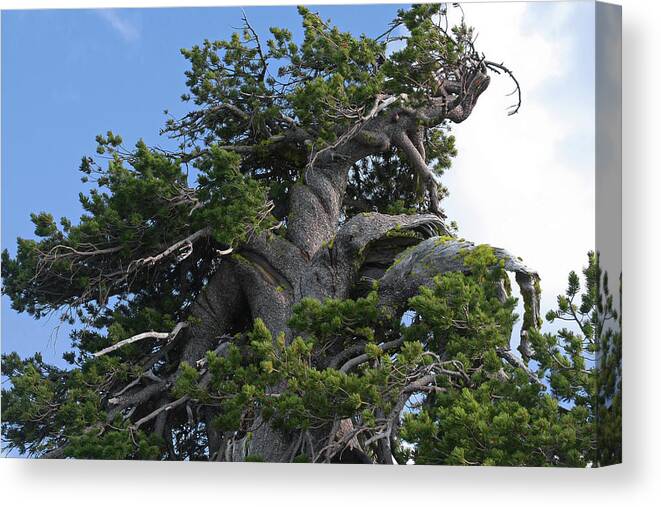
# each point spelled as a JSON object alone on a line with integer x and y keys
{"x": 320, "y": 258}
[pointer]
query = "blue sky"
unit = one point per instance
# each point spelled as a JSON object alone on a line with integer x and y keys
{"x": 68, "y": 75}
{"x": 525, "y": 183}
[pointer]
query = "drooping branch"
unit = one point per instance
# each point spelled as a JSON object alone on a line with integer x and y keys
{"x": 419, "y": 266}
{"x": 417, "y": 160}
{"x": 529, "y": 287}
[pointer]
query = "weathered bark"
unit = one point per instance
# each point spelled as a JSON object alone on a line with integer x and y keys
{"x": 331, "y": 273}
{"x": 315, "y": 206}
{"x": 320, "y": 257}
{"x": 419, "y": 266}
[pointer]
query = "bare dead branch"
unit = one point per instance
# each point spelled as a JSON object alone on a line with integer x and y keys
{"x": 512, "y": 359}
{"x": 163, "y": 408}
{"x": 142, "y": 336}
{"x": 500, "y": 67}
{"x": 182, "y": 248}
{"x": 352, "y": 363}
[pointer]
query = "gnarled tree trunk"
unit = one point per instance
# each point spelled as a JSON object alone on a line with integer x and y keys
{"x": 324, "y": 257}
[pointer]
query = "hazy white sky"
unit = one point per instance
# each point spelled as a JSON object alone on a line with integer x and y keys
{"x": 526, "y": 182}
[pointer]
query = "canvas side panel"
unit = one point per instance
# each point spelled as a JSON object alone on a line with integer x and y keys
{"x": 608, "y": 181}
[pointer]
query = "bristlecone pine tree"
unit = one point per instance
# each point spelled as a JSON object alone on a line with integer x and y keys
{"x": 283, "y": 286}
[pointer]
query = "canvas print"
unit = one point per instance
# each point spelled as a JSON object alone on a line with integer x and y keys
{"x": 376, "y": 234}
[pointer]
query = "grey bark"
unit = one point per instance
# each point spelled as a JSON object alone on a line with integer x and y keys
{"x": 419, "y": 266}
{"x": 320, "y": 257}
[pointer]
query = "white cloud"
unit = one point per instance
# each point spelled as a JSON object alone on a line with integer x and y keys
{"x": 125, "y": 28}
{"x": 526, "y": 182}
